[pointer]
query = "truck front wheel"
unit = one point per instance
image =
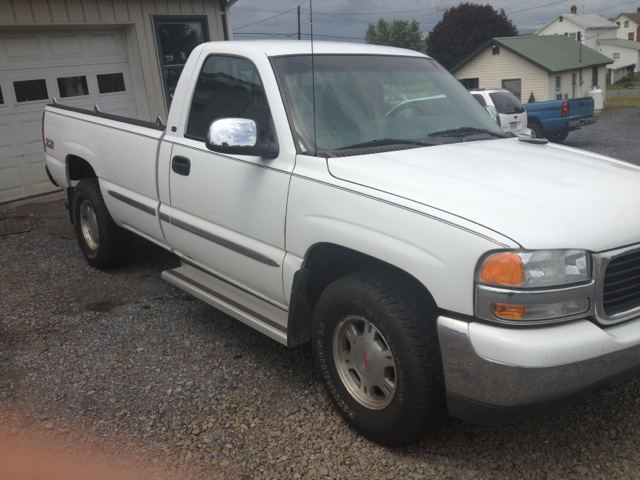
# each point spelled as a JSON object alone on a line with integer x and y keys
{"x": 103, "y": 243}
{"x": 376, "y": 350}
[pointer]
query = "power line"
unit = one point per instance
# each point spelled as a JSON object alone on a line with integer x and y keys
{"x": 264, "y": 20}
{"x": 533, "y": 8}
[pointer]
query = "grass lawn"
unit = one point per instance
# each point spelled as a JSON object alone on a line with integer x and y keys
{"x": 614, "y": 100}
{"x": 620, "y": 86}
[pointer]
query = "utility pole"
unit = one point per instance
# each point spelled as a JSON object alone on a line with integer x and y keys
{"x": 298, "y": 22}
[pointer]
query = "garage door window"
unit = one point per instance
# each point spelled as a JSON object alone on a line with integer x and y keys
{"x": 30, "y": 90}
{"x": 177, "y": 37}
{"x": 111, "y": 83}
{"x": 73, "y": 86}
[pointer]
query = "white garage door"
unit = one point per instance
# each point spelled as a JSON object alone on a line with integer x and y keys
{"x": 80, "y": 68}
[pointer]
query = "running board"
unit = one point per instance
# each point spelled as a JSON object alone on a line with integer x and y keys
{"x": 249, "y": 309}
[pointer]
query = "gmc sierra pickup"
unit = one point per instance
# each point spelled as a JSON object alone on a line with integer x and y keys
{"x": 436, "y": 263}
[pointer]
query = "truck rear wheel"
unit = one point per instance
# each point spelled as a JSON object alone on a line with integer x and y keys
{"x": 558, "y": 137}
{"x": 103, "y": 243}
{"x": 376, "y": 350}
{"x": 536, "y": 130}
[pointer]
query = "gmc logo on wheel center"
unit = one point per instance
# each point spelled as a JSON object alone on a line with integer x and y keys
{"x": 366, "y": 364}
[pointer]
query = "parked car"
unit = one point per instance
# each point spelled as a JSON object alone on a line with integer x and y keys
{"x": 424, "y": 256}
{"x": 513, "y": 117}
{"x": 556, "y": 118}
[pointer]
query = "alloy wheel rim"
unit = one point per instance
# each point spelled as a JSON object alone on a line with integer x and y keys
{"x": 364, "y": 362}
{"x": 89, "y": 225}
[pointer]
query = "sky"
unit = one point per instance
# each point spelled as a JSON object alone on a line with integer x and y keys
{"x": 347, "y": 20}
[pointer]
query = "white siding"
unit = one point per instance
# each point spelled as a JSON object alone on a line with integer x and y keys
{"x": 491, "y": 69}
{"x": 589, "y": 36}
{"x": 135, "y": 14}
{"x": 582, "y": 86}
{"x": 632, "y": 28}
{"x": 627, "y": 55}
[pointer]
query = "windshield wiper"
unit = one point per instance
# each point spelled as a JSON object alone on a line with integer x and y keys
{"x": 379, "y": 142}
{"x": 464, "y": 131}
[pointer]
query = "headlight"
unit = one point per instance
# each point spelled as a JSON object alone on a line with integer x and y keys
{"x": 536, "y": 269}
{"x": 539, "y": 286}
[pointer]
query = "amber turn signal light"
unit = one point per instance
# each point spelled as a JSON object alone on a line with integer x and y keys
{"x": 509, "y": 312}
{"x": 503, "y": 269}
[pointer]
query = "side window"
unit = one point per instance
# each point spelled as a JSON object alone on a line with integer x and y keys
{"x": 228, "y": 87}
{"x": 480, "y": 99}
{"x": 1, "y": 97}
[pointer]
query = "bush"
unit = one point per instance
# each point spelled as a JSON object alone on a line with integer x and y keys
{"x": 532, "y": 99}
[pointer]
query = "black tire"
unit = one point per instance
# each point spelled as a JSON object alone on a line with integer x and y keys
{"x": 558, "y": 137}
{"x": 103, "y": 243}
{"x": 536, "y": 130}
{"x": 405, "y": 336}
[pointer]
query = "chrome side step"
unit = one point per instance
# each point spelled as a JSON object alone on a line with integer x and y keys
{"x": 251, "y": 310}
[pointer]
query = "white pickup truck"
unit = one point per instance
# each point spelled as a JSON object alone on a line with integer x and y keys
{"x": 437, "y": 264}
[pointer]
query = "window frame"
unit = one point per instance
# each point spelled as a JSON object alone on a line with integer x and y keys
{"x": 630, "y": 36}
{"x": 124, "y": 80}
{"x": 616, "y": 56}
{"x": 72, "y": 76}
{"x": 193, "y": 94}
{"x": 29, "y": 102}
{"x": 4, "y": 100}
{"x": 157, "y": 21}
{"x": 558, "y": 87}
{"x": 519, "y": 94}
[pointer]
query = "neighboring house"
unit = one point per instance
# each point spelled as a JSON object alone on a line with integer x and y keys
{"x": 551, "y": 67}
{"x": 123, "y": 55}
{"x": 629, "y": 24}
{"x": 625, "y": 55}
{"x": 588, "y": 28}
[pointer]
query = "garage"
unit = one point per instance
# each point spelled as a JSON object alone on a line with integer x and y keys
{"x": 79, "y": 68}
{"x": 121, "y": 55}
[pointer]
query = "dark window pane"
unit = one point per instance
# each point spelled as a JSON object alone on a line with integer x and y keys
{"x": 111, "y": 83}
{"x": 506, "y": 103}
{"x": 172, "y": 75}
{"x": 31, "y": 90}
{"x": 513, "y": 86}
{"x": 228, "y": 87}
{"x": 1, "y": 97}
{"x": 480, "y": 100}
{"x": 73, "y": 86}
{"x": 178, "y": 40}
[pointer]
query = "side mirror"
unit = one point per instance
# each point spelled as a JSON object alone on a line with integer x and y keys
{"x": 238, "y": 136}
{"x": 494, "y": 113}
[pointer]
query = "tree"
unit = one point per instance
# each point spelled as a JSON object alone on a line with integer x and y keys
{"x": 400, "y": 33}
{"x": 465, "y": 28}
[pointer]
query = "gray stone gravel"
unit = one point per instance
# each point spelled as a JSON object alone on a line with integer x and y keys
{"x": 615, "y": 134}
{"x": 122, "y": 359}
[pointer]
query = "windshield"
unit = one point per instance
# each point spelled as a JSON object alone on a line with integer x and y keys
{"x": 506, "y": 102}
{"x": 364, "y": 99}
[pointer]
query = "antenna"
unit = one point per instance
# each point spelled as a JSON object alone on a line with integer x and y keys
{"x": 313, "y": 82}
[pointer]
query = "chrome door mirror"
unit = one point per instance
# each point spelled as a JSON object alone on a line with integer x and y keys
{"x": 232, "y": 132}
{"x": 238, "y": 136}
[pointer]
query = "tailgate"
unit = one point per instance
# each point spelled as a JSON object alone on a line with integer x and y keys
{"x": 580, "y": 107}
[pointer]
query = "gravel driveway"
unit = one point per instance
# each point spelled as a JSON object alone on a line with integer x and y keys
{"x": 122, "y": 361}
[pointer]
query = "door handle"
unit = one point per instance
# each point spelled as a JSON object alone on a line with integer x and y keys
{"x": 181, "y": 165}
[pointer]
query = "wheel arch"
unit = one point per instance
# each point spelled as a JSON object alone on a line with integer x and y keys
{"x": 78, "y": 168}
{"x": 323, "y": 264}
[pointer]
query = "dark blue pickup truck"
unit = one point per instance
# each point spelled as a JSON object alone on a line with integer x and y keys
{"x": 556, "y": 118}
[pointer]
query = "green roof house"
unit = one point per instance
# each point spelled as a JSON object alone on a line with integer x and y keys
{"x": 552, "y": 67}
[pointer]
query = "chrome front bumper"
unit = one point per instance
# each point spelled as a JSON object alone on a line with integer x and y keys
{"x": 495, "y": 374}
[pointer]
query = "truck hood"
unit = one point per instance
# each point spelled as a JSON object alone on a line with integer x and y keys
{"x": 540, "y": 196}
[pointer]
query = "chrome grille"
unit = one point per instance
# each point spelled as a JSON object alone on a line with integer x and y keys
{"x": 621, "y": 287}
